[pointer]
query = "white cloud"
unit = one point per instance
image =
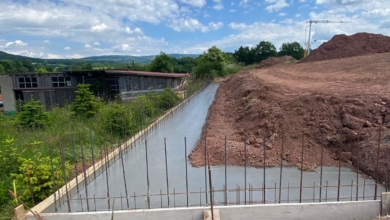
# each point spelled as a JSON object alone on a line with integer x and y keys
{"x": 191, "y": 24}
{"x": 218, "y": 5}
{"x": 243, "y": 2}
{"x": 99, "y": 28}
{"x": 282, "y": 14}
{"x": 17, "y": 43}
{"x": 232, "y": 10}
{"x": 195, "y": 3}
{"x": 67, "y": 48}
{"x": 239, "y": 26}
{"x": 276, "y": 5}
{"x": 87, "y": 46}
{"x": 96, "y": 43}
{"x": 46, "y": 41}
{"x": 137, "y": 30}
{"x": 53, "y": 56}
{"x": 74, "y": 56}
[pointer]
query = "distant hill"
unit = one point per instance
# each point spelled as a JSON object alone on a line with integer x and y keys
{"x": 104, "y": 58}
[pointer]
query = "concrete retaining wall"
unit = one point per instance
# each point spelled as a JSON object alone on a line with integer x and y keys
{"x": 48, "y": 204}
{"x": 363, "y": 210}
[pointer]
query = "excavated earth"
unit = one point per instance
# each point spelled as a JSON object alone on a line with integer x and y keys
{"x": 340, "y": 104}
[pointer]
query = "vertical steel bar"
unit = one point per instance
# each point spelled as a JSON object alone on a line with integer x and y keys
{"x": 64, "y": 173}
{"x": 288, "y": 192}
{"x": 93, "y": 153}
{"x": 85, "y": 176}
{"x": 161, "y": 199}
{"x": 211, "y": 187}
{"x": 186, "y": 161}
{"x": 300, "y": 184}
{"x": 205, "y": 168}
{"x": 264, "y": 169}
{"x": 314, "y": 191}
{"x": 339, "y": 176}
{"x": 322, "y": 164}
{"x": 166, "y": 169}
{"x": 124, "y": 176}
{"x": 174, "y": 198}
{"x": 281, "y": 167}
{"x": 52, "y": 178}
{"x": 225, "y": 172}
{"x": 81, "y": 201}
{"x": 200, "y": 196}
{"x": 245, "y": 171}
{"x": 275, "y": 192}
{"x": 135, "y": 201}
{"x": 107, "y": 185}
{"x": 326, "y": 191}
{"x": 351, "y": 189}
{"x": 147, "y": 173}
{"x": 364, "y": 188}
{"x": 358, "y": 165}
{"x": 75, "y": 165}
{"x": 94, "y": 201}
{"x": 377, "y": 163}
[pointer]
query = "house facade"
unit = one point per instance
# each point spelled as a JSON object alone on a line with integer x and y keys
{"x": 58, "y": 89}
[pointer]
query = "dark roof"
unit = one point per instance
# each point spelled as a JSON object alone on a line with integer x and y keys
{"x": 144, "y": 73}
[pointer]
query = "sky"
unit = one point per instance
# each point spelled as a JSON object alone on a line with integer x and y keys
{"x": 80, "y": 28}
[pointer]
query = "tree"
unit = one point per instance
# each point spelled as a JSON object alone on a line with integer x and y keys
{"x": 162, "y": 63}
{"x": 27, "y": 63}
{"x": 210, "y": 63}
{"x": 244, "y": 55}
{"x": 87, "y": 66}
{"x": 293, "y": 49}
{"x": 41, "y": 69}
{"x": 9, "y": 66}
{"x": 2, "y": 69}
{"x": 84, "y": 103}
{"x": 264, "y": 50}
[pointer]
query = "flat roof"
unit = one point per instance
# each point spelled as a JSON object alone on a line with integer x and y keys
{"x": 144, "y": 73}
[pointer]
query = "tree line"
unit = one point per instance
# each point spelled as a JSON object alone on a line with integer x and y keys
{"x": 212, "y": 63}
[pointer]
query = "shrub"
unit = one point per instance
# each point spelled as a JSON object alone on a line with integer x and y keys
{"x": 32, "y": 115}
{"x": 146, "y": 105}
{"x": 85, "y": 103}
{"x": 118, "y": 119}
{"x": 167, "y": 99}
{"x": 41, "y": 180}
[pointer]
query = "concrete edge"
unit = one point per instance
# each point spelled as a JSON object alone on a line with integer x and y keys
{"x": 221, "y": 208}
{"x": 71, "y": 185}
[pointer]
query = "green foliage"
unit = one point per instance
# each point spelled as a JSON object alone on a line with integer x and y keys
{"x": 9, "y": 66}
{"x": 162, "y": 63}
{"x": 264, "y": 50}
{"x": 39, "y": 169}
{"x": 244, "y": 55}
{"x": 41, "y": 69}
{"x": 146, "y": 105}
{"x": 167, "y": 99}
{"x": 210, "y": 64}
{"x": 32, "y": 115}
{"x": 2, "y": 70}
{"x": 85, "y": 103}
{"x": 293, "y": 49}
{"x": 117, "y": 119}
{"x": 184, "y": 64}
{"x": 27, "y": 64}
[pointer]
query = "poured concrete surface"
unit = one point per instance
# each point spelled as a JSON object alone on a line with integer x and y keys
{"x": 188, "y": 122}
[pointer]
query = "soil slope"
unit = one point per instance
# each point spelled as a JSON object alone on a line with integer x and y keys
{"x": 342, "y": 46}
{"x": 326, "y": 103}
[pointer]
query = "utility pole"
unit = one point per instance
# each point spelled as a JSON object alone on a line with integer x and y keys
{"x": 309, "y": 23}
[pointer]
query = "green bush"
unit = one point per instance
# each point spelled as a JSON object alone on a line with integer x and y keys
{"x": 41, "y": 179}
{"x": 167, "y": 99}
{"x": 146, "y": 105}
{"x": 32, "y": 115}
{"x": 85, "y": 103}
{"x": 118, "y": 120}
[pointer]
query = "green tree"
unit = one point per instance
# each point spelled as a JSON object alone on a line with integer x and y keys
{"x": 244, "y": 55}
{"x": 162, "y": 63}
{"x": 32, "y": 115}
{"x": 87, "y": 66}
{"x": 9, "y": 66}
{"x": 27, "y": 63}
{"x": 210, "y": 63}
{"x": 85, "y": 103}
{"x": 2, "y": 70}
{"x": 41, "y": 69}
{"x": 264, "y": 50}
{"x": 184, "y": 64}
{"x": 293, "y": 49}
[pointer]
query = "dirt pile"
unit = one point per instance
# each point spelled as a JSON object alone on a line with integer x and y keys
{"x": 272, "y": 61}
{"x": 306, "y": 105}
{"x": 341, "y": 46}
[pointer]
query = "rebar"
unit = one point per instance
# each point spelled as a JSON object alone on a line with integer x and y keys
{"x": 281, "y": 167}
{"x": 225, "y": 172}
{"x": 166, "y": 168}
{"x": 357, "y": 165}
{"x": 245, "y": 171}
{"x": 75, "y": 165}
{"x": 85, "y": 176}
{"x": 52, "y": 178}
{"x": 322, "y": 164}
{"x": 147, "y": 173}
{"x": 339, "y": 176}
{"x": 64, "y": 172}
{"x": 377, "y": 163}
{"x": 264, "y": 144}
{"x": 186, "y": 161}
{"x": 124, "y": 176}
{"x": 300, "y": 184}
{"x": 205, "y": 168}
{"x": 93, "y": 155}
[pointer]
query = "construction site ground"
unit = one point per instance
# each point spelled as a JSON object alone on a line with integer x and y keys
{"x": 330, "y": 103}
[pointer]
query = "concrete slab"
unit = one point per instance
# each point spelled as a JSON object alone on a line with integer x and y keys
{"x": 385, "y": 209}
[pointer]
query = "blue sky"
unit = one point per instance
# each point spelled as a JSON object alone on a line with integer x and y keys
{"x": 74, "y": 28}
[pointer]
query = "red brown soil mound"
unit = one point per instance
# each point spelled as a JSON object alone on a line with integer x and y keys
{"x": 341, "y": 46}
{"x": 272, "y": 61}
{"x": 327, "y": 104}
